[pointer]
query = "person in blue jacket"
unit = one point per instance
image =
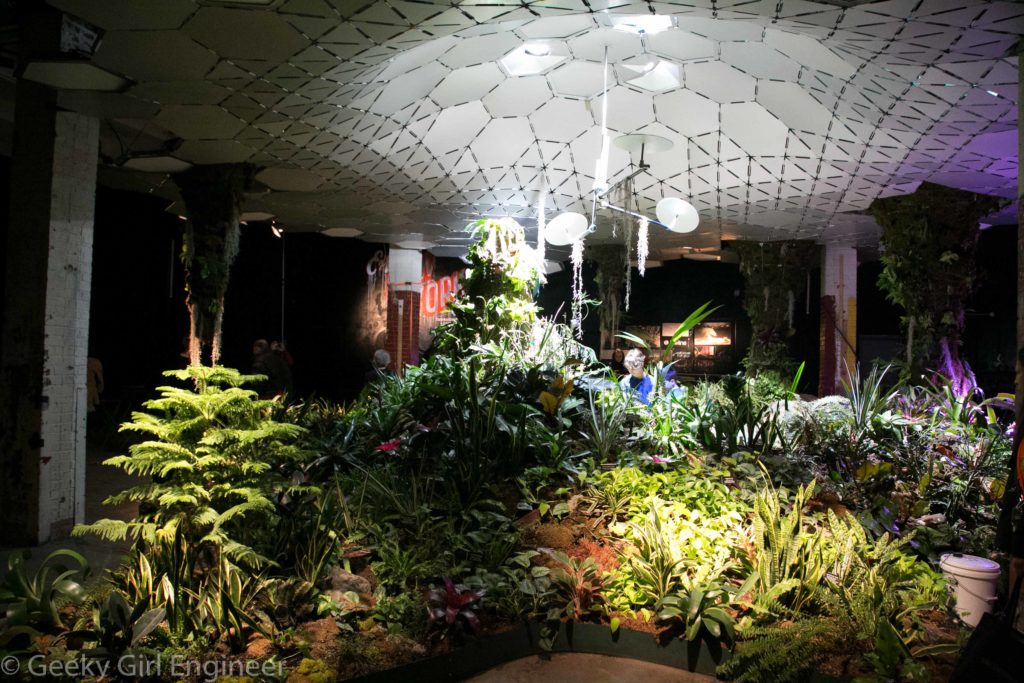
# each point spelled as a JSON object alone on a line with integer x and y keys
{"x": 637, "y": 383}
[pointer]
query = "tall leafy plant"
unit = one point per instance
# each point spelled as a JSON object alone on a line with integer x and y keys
{"x": 219, "y": 463}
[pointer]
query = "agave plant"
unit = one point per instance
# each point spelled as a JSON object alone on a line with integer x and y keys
{"x": 34, "y": 600}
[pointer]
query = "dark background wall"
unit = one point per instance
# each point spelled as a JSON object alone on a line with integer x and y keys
{"x": 671, "y": 292}
{"x": 138, "y": 316}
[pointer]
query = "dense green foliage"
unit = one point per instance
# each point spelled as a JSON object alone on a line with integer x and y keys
{"x": 775, "y": 275}
{"x": 506, "y": 479}
{"x": 929, "y": 239}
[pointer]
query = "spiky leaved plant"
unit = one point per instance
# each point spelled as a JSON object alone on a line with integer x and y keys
{"x": 219, "y": 462}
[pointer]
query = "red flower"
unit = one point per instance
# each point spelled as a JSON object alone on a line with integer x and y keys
{"x": 389, "y": 446}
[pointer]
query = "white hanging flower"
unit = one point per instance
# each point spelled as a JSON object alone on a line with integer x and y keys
{"x": 541, "y": 226}
{"x": 577, "y": 287}
{"x": 641, "y": 245}
{"x": 628, "y": 235}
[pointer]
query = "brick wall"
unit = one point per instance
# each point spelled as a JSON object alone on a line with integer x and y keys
{"x": 66, "y": 328}
{"x": 403, "y": 328}
{"x": 839, "y": 284}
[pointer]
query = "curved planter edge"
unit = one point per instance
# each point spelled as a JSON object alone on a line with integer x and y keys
{"x": 521, "y": 641}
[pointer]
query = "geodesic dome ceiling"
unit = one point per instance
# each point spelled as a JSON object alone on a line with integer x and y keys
{"x": 404, "y": 120}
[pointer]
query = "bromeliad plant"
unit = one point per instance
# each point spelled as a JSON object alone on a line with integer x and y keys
{"x": 451, "y": 610}
{"x": 702, "y": 612}
{"x": 218, "y": 462}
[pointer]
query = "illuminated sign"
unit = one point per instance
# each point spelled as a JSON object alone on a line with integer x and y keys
{"x": 435, "y": 294}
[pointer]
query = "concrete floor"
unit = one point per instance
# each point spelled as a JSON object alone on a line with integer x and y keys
{"x": 573, "y": 667}
{"x": 101, "y": 481}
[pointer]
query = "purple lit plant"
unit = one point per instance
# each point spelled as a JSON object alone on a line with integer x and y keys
{"x": 451, "y": 610}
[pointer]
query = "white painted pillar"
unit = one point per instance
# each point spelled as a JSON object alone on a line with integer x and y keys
{"x": 46, "y": 320}
{"x": 66, "y": 342}
{"x": 838, "y": 352}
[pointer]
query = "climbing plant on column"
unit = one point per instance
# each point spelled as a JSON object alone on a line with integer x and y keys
{"x": 213, "y": 196}
{"x": 775, "y": 273}
{"x": 929, "y": 239}
{"x": 611, "y": 279}
{"x": 496, "y": 300}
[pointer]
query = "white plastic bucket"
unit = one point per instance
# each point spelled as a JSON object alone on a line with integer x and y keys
{"x": 973, "y": 580}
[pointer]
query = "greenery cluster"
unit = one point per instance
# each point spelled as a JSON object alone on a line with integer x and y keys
{"x": 929, "y": 239}
{"x": 213, "y": 194}
{"x": 506, "y": 479}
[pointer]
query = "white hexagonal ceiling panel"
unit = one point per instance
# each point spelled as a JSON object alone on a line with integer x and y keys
{"x": 786, "y": 117}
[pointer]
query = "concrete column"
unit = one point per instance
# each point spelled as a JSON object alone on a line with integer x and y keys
{"x": 838, "y": 352}
{"x": 405, "y": 275}
{"x": 46, "y": 321}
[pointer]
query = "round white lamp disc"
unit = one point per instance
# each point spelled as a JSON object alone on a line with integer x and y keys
{"x": 566, "y": 228}
{"x": 678, "y": 215}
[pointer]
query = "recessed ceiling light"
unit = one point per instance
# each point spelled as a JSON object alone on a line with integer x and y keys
{"x": 415, "y": 244}
{"x": 73, "y": 74}
{"x": 647, "y": 24}
{"x": 342, "y": 232}
{"x": 523, "y": 62}
{"x": 244, "y": 4}
{"x": 156, "y": 163}
{"x": 537, "y": 49}
{"x": 256, "y": 216}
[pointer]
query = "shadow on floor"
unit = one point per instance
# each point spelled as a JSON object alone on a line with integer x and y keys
{"x": 101, "y": 481}
{"x": 585, "y": 668}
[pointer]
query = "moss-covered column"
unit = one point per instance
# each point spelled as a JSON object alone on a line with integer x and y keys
{"x": 213, "y": 196}
{"x": 610, "y": 260}
{"x": 775, "y": 276}
{"x": 929, "y": 240}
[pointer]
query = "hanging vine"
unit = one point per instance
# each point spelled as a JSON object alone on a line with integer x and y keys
{"x": 929, "y": 240}
{"x": 774, "y": 273}
{"x": 627, "y": 237}
{"x": 542, "y": 223}
{"x": 577, "y": 287}
{"x": 213, "y": 196}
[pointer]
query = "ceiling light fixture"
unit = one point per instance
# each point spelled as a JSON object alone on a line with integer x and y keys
{"x": 342, "y": 232}
{"x": 418, "y": 245}
{"x": 643, "y": 24}
{"x": 156, "y": 163}
{"x": 241, "y": 4}
{"x": 72, "y": 74}
{"x": 530, "y": 59}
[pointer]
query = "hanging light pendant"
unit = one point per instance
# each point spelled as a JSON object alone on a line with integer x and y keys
{"x": 678, "y": 215}
{"x": 566, "y": 228}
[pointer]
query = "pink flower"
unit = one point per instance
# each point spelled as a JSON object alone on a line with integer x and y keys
{"x": 658, "y": 460}
{"x": 389, "y": 446}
